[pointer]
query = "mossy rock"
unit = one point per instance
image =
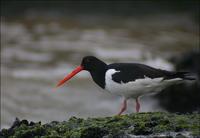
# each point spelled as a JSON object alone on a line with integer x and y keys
{"x": 136, "y": 124}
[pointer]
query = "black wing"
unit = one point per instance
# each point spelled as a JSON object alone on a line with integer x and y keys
{"x": 132, "y": 71}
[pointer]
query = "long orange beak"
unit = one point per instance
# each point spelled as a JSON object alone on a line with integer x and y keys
{"x": 69, "y": 76}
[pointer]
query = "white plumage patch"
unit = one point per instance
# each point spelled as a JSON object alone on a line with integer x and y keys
{"x": 138, "y": 87}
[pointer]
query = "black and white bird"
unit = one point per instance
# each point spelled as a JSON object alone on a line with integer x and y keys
{"x": 129, "y": 80}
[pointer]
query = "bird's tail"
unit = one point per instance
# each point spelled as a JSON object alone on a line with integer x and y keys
{"x": 185, "y": 75}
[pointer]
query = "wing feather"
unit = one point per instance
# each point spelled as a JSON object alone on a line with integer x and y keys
{"x": 133, "y": 71}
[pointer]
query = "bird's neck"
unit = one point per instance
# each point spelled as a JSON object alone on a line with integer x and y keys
{"x": 98, "y": 75}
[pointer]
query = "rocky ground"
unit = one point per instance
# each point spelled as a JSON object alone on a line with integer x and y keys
{"x": 152, "y": 124}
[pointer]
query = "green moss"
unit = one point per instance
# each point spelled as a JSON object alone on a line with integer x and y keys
{"x": 116, "y": 126}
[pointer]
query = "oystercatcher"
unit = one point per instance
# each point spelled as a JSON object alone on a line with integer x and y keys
{"x": 130, "y": 80}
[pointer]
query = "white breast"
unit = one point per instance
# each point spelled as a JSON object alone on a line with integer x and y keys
{"x": 135, "y": 88}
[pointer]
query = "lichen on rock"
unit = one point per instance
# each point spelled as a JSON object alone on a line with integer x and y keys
{"x": 136, "y": 124}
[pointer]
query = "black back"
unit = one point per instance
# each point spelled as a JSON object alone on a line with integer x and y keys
{"x": 132, "y": 71}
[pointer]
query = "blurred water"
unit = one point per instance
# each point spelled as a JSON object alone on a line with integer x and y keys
{"x": 35, "y": 54}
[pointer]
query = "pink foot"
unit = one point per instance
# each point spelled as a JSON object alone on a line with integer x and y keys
{"x": 123, "y": 108}
{"x": 137, "y": 105}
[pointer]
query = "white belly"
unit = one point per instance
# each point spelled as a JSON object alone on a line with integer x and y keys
{"x": 136, "y": 88}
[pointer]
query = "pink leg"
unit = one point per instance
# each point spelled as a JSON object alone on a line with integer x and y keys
{"x": 123, "y": 108}
{"x": 137, "y": 105}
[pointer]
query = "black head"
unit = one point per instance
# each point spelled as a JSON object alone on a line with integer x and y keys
{"x": 91, "y": 63}
{"x": 96, "y": 67}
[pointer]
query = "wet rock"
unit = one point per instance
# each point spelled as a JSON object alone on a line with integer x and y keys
{"x": 188, "y": 61}
{"x": 183, "y": 97}
{"x": 155, "y": 124}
